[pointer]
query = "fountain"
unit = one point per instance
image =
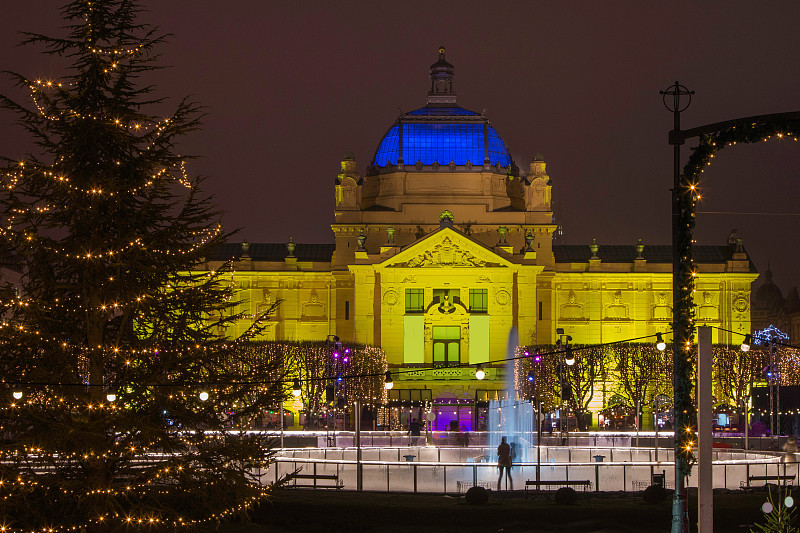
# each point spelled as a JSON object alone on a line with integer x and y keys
{"x": 512, "y": 418}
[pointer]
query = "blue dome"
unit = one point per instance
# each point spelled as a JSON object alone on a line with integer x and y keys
{"x": 442, "y": 134}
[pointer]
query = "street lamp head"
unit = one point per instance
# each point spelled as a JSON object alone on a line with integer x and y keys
{"x": 111, "y": 397}
{"x": 676, "y": 97}
{"x": 660, "y": 344}
{"x": 17, "y": 394}
{"x": 569, "y": 358}
{"x": 746, "y": 343}
{"x": 531, "y": 376}
{"x": 203, "y": 396}
{"x": 387, "y": 382}
{"x": 479, "y": 372}
{"x": 296, "y": 391}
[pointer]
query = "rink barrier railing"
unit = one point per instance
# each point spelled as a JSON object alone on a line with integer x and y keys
{"x": 447, "y": 477}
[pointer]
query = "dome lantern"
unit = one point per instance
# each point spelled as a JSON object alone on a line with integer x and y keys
{"x": 442, "y": 75}
{"x": 442, "y": 133}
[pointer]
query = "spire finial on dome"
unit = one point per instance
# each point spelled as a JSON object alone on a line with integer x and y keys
{"x": 442, "y": 81}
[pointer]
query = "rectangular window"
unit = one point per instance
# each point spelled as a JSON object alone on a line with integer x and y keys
{"x": 346, "y": 310}
{"x": 446, "y": 346}
{"x": 540, "y": 311}
{"x": 415, "y": 300}
{"x": 478, "y": 300}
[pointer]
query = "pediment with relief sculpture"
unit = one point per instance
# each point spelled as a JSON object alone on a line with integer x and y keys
{"x": 446, "y": 249}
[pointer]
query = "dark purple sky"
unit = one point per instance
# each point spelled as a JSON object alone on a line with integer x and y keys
{"x": 291, "y": 86}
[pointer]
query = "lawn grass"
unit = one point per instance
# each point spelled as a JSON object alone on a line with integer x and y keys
{"x": 339, "y": 511}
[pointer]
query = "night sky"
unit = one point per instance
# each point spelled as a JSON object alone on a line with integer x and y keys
{"x": 291, "y": 86}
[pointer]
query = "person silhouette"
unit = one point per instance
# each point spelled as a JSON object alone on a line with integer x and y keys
{"x": 504, "y": 462}
{"x": 414, "y": 432}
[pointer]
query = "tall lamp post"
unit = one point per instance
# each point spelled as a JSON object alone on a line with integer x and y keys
{"x": 563, "y": 345}
{"x": 332, "y": 381}
{"x": 748, "y": 129}
{"x": 774, "y": 376}
{"x": 533, "y": 379}
{"x": 676, "y": 99}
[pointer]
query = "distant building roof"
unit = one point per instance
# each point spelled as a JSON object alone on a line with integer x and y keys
{"x": 273, "y": 252}
{"x": 580, "y": 253}
{"x": 564, "y": 253}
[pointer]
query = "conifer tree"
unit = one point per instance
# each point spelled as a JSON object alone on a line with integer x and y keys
{"x": 116, "y": 331}
{"x": 779, "y": 513}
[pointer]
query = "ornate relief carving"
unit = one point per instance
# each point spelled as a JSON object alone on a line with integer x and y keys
{"x": 313, "y": 310}
{"x": 662, "y": 309}
{"x": 446, "y": 253}
{"x": 265, "y": 303}
{"x": 571, "y": 310}
{"x": 502, "y": 297}
{"x": 741, "y": 303}
{"x": 617, "y": 310}
{"x": 390, "y": 297}
{"x": 708, "y": 311}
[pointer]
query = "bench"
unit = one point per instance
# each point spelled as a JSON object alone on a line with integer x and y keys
{"x": 585, "y": 484}
{"x": 641, "y": 484}
{"x": 464, "y": 486}
{"x": 337, "y": 483}
{"x": 766, "y": 479}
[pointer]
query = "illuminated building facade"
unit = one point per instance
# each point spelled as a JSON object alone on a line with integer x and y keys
{"x": 444, "y": 244}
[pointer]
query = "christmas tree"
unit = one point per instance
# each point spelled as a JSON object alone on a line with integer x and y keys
{"x": 121, "y": 398}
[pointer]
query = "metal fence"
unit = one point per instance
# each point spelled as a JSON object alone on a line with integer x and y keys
{"x": 425, "y": 469}
{"x": 644, "y": 439}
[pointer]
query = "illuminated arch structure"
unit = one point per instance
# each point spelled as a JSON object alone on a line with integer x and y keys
{"x": 444, "y": 244}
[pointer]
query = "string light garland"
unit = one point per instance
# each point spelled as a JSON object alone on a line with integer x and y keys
{"x": 755, "y": 129}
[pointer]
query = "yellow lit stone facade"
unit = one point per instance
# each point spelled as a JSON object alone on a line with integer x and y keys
{"x": 435, "y": 262}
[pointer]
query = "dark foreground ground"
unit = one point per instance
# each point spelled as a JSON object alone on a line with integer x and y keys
{"x": 302, "y": 510}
